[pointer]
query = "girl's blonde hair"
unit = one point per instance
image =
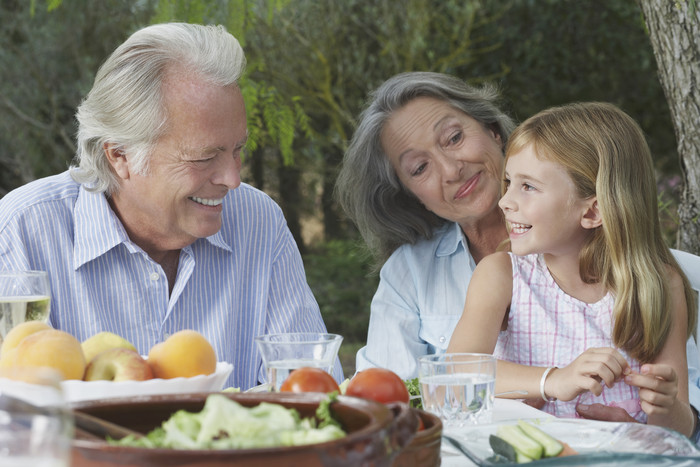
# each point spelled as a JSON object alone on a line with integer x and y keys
{"x": 605, "y": 153}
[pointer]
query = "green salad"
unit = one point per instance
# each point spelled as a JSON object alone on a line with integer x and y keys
{"x": 413, "y": 387}
{"x": 226, "y": 424}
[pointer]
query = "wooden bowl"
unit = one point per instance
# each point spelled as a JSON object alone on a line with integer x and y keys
{"x": 424, "y": 448}
{"x": 376, "y": 433}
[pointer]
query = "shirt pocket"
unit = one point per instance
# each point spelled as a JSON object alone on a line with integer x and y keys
{"x": 437, "y": 330}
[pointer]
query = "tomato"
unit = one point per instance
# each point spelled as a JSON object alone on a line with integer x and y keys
{"x": 378, "y": 384}
{"x": 307, "y": 379}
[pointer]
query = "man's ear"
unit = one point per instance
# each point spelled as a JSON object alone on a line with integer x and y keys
{"x": 591, "y": 218}
{"x": 117, "y": 159}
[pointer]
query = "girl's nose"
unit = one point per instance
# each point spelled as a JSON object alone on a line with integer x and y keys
{"x": 505, "y": 203}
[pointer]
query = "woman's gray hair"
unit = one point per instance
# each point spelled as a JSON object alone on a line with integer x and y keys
{"x": 385, "y": 212}
{"x": 125, "y": 107}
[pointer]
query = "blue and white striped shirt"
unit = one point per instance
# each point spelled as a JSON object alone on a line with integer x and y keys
{"x": 246, "y": 280}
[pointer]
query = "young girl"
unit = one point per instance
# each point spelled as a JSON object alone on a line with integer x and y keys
{"x": 590, "y": 302}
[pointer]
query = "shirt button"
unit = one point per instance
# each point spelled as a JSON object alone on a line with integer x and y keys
{"x": 442, "y": 339}
{"x": 166, "y": 335}
{"x": 155, "y": 276}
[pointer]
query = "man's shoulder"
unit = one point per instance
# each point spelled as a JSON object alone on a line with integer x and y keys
{"x": 248, "y": 200}
{"x": 59, "y": 187}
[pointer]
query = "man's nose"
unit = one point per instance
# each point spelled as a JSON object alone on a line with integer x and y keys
{"x": 229, "y": 172}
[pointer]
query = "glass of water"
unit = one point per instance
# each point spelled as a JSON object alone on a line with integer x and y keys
{"x": 24, "y": 296}
{"x": 36, "y": 425}
{"x": 458, "y": 387}
{"x": 284, "y": 352}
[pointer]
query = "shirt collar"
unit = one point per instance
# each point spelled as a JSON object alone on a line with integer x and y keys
{"x": 452, "y": 239}
{"x": 98, "y": 229}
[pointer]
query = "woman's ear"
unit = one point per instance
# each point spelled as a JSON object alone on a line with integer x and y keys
{"x": 592, "y": 219}
{"x": 117, "y": 159}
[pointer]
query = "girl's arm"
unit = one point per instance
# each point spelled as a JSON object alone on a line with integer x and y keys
{"x": 488, "y": 299}
{"x": 485, "y": 315}
{"x": 663, "y": 383}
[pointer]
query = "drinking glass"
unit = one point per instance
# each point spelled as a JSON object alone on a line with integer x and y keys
{"x": 36, "y": 426}
{"x": 282, "y": 353}
{"x": 458, "y": 387}
{"x": 24, "y": 296}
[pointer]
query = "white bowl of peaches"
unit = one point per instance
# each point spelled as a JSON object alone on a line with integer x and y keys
{"x": 107, "y": 365}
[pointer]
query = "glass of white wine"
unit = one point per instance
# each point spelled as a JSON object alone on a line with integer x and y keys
{"x": 24, "y": 296}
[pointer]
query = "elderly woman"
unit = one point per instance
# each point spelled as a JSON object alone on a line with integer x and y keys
{"x": 421, "y": 180}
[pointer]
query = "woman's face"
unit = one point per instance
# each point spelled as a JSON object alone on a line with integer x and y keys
{"x": 447, "y": 159}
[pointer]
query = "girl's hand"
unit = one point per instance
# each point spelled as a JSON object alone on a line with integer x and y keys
{"x": 587, "y": 373}
{"x": 658, "y": 387}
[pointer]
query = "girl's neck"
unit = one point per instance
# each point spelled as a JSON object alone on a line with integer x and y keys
{"x": 565, "y": 271}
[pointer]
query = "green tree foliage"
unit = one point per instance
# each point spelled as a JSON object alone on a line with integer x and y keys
{"x": 560, "y": 51}
{"x": 47, "y": 63}
{"x": 339, "y": 274}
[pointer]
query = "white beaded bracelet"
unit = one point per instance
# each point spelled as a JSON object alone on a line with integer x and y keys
{"x": 542, "y": 380}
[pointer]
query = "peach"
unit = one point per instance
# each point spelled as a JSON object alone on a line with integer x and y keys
{"x": 34, "y": 375}
{"x": 186, "y": 353}
{"x": 19, "y": 332}
{"x": 51, "y": 348}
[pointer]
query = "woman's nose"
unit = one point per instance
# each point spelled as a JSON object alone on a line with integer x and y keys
{"x": 451, "y": 168}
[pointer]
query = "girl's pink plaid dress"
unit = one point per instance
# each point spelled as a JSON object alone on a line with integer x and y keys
{"x": 547, "y": 327}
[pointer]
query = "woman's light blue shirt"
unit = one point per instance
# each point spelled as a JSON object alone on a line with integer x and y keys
{"x": 418, "y": 302}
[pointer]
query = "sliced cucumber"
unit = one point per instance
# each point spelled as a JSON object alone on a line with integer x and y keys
{"x": 522, "y": 443}
{"x": 551, "y": 446}
{"x": 521, "y": 458}
{"x": 502, "y": 447}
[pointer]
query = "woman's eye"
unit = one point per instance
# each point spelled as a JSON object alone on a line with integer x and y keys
{"x": 419, "y": 170}
{"x": 455, "y": 138}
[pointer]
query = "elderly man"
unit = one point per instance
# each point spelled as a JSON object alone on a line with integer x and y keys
{"x": 152, "y": 230}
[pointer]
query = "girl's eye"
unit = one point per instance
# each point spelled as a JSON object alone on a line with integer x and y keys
{"x": 419, "y": 170}
{"x": 528, "y": 187}
{"x": 506, "y": 183}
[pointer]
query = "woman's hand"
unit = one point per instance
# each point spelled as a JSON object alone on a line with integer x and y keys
{"x": 658, "y": 387}
{"x": 590, "y": 370}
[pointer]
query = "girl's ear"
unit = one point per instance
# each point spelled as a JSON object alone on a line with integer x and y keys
{"x": 117, "y": 159}
{"x": 592, "y": 219}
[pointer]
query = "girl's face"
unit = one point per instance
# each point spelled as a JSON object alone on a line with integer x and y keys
{"x": 543, "y": 212}
{"x": 448, "y": 160}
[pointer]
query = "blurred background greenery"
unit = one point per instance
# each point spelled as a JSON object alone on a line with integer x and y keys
{"x": 310, "y": 66}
